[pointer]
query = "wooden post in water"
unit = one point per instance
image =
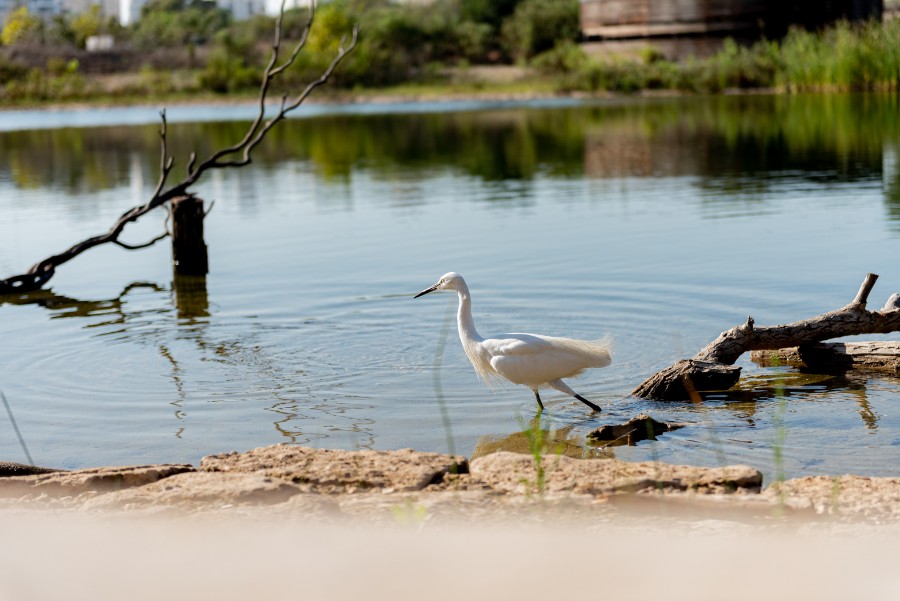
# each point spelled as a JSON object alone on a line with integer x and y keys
{"x": 188, "y": 248}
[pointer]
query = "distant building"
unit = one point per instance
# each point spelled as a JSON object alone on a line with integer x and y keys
{"x": 46, "y": 9}
{"x": 243, "y": 9}
{"x": 621, "y": 19}
{"x": 97, "y": 43}
{"x": 130, "y": 11}
{"x": 126, "y": 11}
{"x": 39, "y": 8}
{"x": 683, "y": 25}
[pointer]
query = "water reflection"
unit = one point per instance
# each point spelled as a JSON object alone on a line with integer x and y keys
{"x": 191, "y": 298}
{"x": 62, "y": 307}
{"x": 540, "y": 433}
{"x": 797, "y": 385}
{"x": 338, "y": 206}
{"x": 177, "y": 321}
{"x": 733, "y": 145}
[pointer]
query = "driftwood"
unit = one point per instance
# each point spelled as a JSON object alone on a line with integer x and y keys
{"x": 236, "y": 155}
{"x": 830, "y": 357}
{"x": 712, "y": 368}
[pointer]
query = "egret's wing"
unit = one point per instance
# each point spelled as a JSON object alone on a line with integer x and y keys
{"x": 506, "y": 345}
{"x": 534, "y": 360}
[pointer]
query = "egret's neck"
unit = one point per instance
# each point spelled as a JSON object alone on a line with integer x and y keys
{"x": 464, "y": 321}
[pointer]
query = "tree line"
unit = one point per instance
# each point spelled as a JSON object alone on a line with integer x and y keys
{"x": 190, "y": 46}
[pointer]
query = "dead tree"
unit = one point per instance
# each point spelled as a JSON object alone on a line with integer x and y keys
{"x": 713, "y": 367}
{"x": 236, "y": 155}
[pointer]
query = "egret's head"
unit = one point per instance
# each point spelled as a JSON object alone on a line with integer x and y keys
{"x": 448, "y": 281}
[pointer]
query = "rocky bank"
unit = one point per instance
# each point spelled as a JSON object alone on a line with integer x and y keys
{"x": 407, "y": 486}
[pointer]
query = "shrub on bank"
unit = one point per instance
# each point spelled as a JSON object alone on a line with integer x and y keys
{"x": 844, "y": 57}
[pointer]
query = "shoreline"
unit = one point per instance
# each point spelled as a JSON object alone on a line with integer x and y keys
{"x": 386, "y": 97}
{"x": 384, "y": 487}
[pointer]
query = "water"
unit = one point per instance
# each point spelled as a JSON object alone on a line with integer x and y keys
{"x": 658, "y": 222}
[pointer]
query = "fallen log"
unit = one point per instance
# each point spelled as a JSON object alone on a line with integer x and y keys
{"x": 713, "y": 367}
{"x": 833, "y": 357}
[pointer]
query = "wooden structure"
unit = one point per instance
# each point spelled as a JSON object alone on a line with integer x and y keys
{"x": 636, "y": 19}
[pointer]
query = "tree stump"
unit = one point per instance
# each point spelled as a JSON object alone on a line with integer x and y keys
{"x": 189, "y": 255}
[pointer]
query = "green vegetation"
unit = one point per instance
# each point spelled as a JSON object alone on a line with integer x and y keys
{"x": 186, "y": 48}
{"x": 844, "y": 57}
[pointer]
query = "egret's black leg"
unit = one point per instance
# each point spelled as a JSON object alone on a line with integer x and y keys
{"x": 587, "y": 402}
{"x": 537, "y": 397}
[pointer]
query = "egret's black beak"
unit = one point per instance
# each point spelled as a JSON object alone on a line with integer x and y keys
{"x": 427, "y": 290}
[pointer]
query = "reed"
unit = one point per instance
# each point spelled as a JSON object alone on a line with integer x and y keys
{"x": 844, "y": 57}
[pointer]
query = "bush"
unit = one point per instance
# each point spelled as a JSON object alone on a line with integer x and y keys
{"x": 539, "y": 25}
{"x": 11, "y": 71}
{"x": 225, "y": 72}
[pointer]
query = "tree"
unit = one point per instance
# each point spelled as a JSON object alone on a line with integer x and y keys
{"x": 178, "y": 22}
{"x": 20, "y": 27}
{"x": 87, "y": 24}
{"x": 236, "y": 155}
{"x": 538, "y": 25}
{"x": 491, "y": 12}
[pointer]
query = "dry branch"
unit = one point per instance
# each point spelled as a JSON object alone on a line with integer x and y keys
{"x": 40, "y": 273}
{"x": 712, "y": 368}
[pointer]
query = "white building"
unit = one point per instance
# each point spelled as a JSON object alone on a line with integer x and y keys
{"x": 130, "y": 11}
{"x": 243, "y": 9}
{"x": 38, "y": 8}
{"x": 127, "y": 11}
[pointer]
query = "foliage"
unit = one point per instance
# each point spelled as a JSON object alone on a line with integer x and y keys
{"x": 178, "y": 23}
{"x": 847, "y": 57}
{"x": 487, "y": 12}
{"x": 416, "y": 44}
{"x": 39, "y": 85}
{"x": 20, "y": 27}
{"x": 87, "y": 24}
{"x": 538, "y": 25}
{"x": 398, "y": 43}
{"x": 11, "y": 71}
{"x": 225, "y": 72}
{"x": 843, "y": 57}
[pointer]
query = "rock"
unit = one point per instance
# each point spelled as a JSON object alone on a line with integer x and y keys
{"x": 10, "y": 468}
{"x": 856, "y": 496}
{"x": 100, "y": 479}
{"x": 208, "y": 489}
{"x": 642, "y": 427}
{"x": 336, "y": 471}
{"x": 513, "y": 473}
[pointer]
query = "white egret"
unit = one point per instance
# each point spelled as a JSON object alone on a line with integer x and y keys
{"x": 528, "y": 359}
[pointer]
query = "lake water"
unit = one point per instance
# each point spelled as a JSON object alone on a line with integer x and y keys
{"x": 658, "y": 222}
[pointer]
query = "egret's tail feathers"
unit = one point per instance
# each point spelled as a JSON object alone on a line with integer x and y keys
{"x": 596, "y": 353}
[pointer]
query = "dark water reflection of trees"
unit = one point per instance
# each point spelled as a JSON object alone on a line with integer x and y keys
{"x": 732, "y": 144}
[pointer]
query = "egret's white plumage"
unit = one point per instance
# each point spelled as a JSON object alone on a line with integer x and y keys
{"x": 528, "y": 359}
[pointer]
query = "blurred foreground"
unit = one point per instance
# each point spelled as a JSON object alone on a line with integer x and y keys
{"x": 65, "y": 555}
